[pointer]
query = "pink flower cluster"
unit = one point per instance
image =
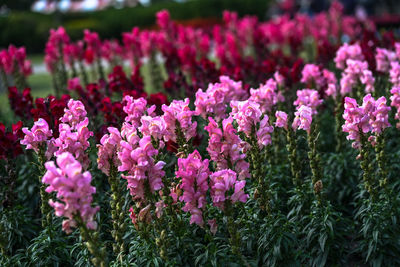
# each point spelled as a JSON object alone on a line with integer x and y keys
{"x": 74, "y": 133}
{"x": 213, "y": 102}
{"x": 226, "y": 148}
{"x": 223, "y": 181}
{"x": 135, "y": 109}
{"x": 312, "y": 75}
{"x": 107, "y": 150}
{"x": 178, "y": 111}
{"x": 281, "y": 119}
{"x": 39, "y": 135}
{"x": 138, "y": 161}
{"x": 267, "y": 95}
{"x": 346, "y": 52}
{"x": 395, "y": 102}
{"x": 372, "y": 117}
{"x": 247, "y": 115}
{"x": 384, "y": 58}
{"x": 309, "y": 98}
{"x": 394, "y": 73}
{"x": 356, "y": 72}
{"x": 74, "y": 191}
{"x": 303, "y": 118}
{"x": 194, "y": 173}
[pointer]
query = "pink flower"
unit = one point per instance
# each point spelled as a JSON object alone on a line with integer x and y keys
{"x": 281, "y": 119}
{"x": 267, "y": 96}
{"x": 309, "y": 98}
{"x": 74, "y": 133}
{"x": 135, "y": 109}
{"x": 163, "y": 19}
{"x": 153, "y": 126}
{"x": 312, "y": 74}
{"x": 74, "y": 113}
{"x": 107, "y": 150}
{"x": 138, "y": 161}
{"x": 74, "y": 191}
{"x": 224, "y": 181}
{"x": 214, "y": 101}
{"x": 303, "y": 118}
{"x": 383, "y": 59}
{"x": 247, "y": 114}
{"x": 37, "y": 136}
{"x": 194, "y": 173}
{"x": 346, "y": 52}
{"x": 178, "y": 111}
{"x": 264, "y": 133}
{"x": 395, "y": 102}
{"x": 355, "y": 72}
{"x": 380, "y": 116}
{"x": 395, "y": 73}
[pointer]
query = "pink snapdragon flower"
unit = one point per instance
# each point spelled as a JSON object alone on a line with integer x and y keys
{"x": 394, "y": 73}
{"x": 267, "y": 96}
{"x": 380, "y": 116}
{"x": 355, "y": 72}
{"x": 346, "y": 52}
{"x": 153, "y": 126}
{"x": 214, "y": 101}
{"x": 194, "y": 173}
{"x": 247, "y": 114}
{"x": 303, "y": 118}
{"x": 74, "y": 133}
{"x": 38, "y": 135}
{"x": 74, "y": 113}
{"x": 384, "y": 58}
{"x": 138, "y": 161}
{"x": 74, "y": 191}
{"x": 312, "y": 73}
{"x": 395, "y": 102}
{"x": 309, "y": 98}
{"x": 223, "y": 181}
{"x": 107, "y": 150}
{"x": 281, "y": 119}
{"x": 226, "y": 148}
{"x": 355, "y": 120}
{"x": 178, "y": 111}
{"x": 135, "y": 109}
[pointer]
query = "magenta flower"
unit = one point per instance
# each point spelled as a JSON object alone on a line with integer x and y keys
{"x": 309, "y": 98}
{"x": 281, "y": 119}
{"x": 138, "y": 161}
{"x": 214, "y": 101}
{"x": 226, "y": 148}
{"x": 346, "y": 52}
{"x": 384, "y": 58}
{"x": 107, "y": 150}
{"x": 153, "y": 126}
{"x": 194, "y": 173}
{"x": 135, "y": 109}
{"x": 394, "y": 73}
{"x": 74, "y": 191}
{"x": 74, "y": 133}
{"x": 267, "y": 96}
{"x": 303, "y": 118}
{"x": 178, "y": 111}
{"x": 39, "y": 135}
{"x": 380, "y": 116}
{"x": 395, "y": 102}
{"x": 247, "y": 114}
{"x": 223, "y": 181}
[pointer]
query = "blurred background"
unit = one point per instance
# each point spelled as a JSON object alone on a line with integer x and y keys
{"x": 27, "y": 22}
